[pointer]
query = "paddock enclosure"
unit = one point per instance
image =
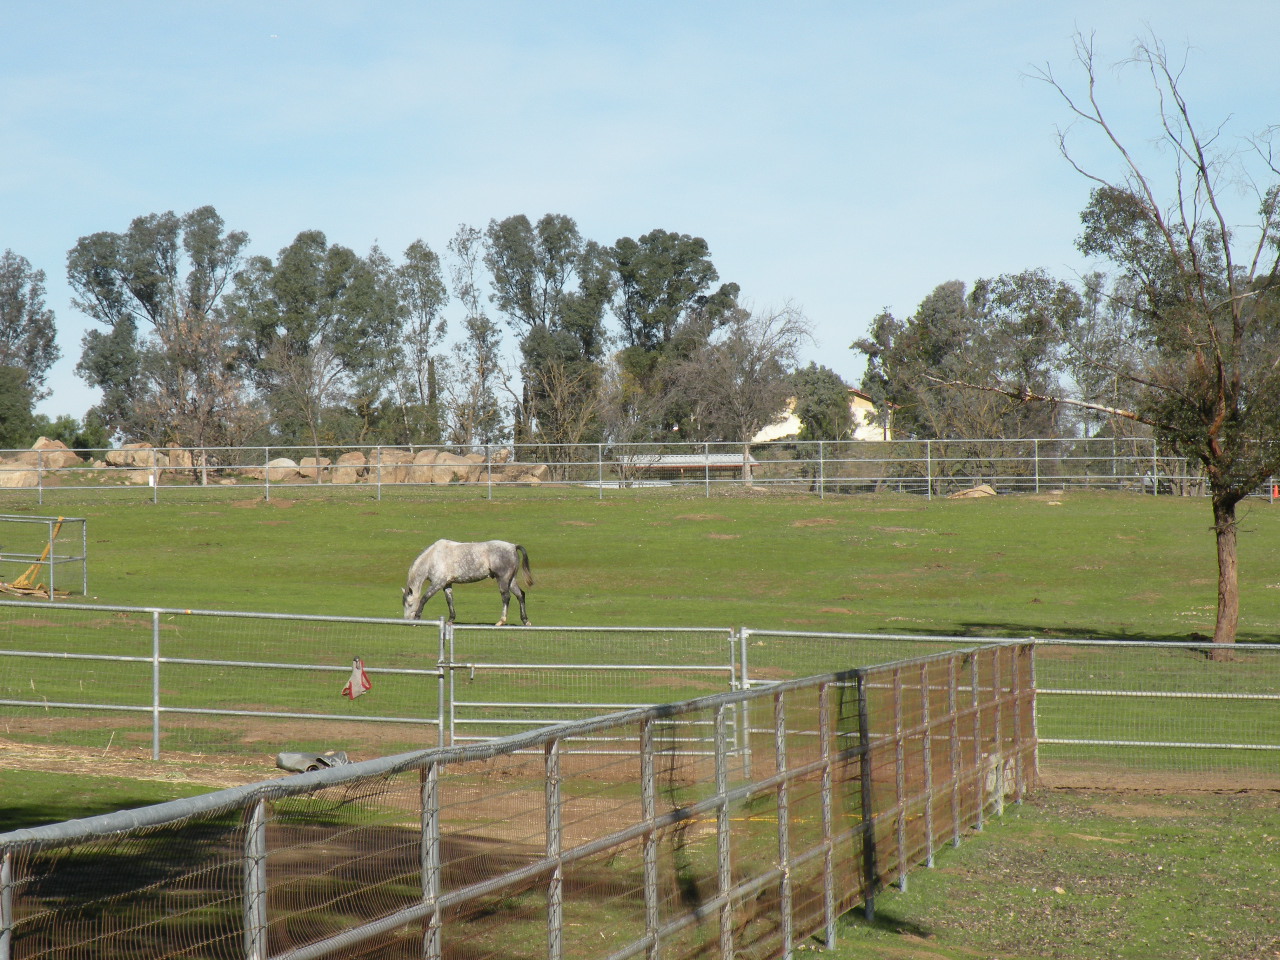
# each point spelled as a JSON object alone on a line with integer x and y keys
{"x": 151, "y": 682}
{"x": 731, "y": 825}
{"x": 925, "y": 467}
{"x": 712, "y": 791}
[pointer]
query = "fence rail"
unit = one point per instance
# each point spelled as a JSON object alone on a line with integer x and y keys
{"x": 925, "y": 467}
{"x": 676, "y": 848}
{"x": 244, "y": 686}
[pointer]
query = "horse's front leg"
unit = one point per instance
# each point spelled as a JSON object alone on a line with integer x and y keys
{"x": 506, "y": 602}
{"x": 423, "y": 602}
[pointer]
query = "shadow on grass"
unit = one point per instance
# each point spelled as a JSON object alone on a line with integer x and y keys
{"x": 1019, "y": 630}
{"x": 887, "y": 922}
{"x": 20, "y": 816}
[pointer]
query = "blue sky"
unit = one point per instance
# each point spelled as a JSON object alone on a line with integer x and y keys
{"x": 841, "y": 157}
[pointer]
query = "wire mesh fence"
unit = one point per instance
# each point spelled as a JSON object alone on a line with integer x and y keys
{"x": 680, "y": 846}
{"x": 924, "y": 467}
{"x": 210, "y": 682}
{"x": 121, "y": 681}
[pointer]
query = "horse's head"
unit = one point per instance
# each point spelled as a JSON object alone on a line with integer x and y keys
{"x": 412, "y": 603}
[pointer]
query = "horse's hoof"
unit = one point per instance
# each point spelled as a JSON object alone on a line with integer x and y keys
{"x": 501, "y": 623}
{"x": 527, "y": 623}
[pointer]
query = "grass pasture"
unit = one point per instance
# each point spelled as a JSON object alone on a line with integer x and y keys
{"x": 1050, "y": 565}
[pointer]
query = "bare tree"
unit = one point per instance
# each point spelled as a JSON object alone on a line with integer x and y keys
{"x": 1201, "y": 291}
{"x": 740, "y": 379}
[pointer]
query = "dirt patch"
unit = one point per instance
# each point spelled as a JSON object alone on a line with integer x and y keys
{"x": 724, "y": 536}
{"x": 699, "y": 517}
{"x": 816, "y": 522}
{"x": 836, "y": 610}
{"x": 133, "y": 764}
{"x": 577, "y": 523}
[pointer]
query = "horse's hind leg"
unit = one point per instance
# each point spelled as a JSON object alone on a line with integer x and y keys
{"x": 524, "y": 616}
{"x": 448, "y": 596}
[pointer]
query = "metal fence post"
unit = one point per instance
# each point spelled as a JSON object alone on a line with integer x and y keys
{"x": 6, "y": 906}
{"x": 431, "y": 863}
{"x": 997, "y": 732}
{"x": 822, "y": 473}
{"x": 899, "y": 780}
{"x": 928, "y": 469}
{"x": 724, "y": 876}
{"x": 926, "y": 725}
{"x": 155, "y": 684}
{"x": 744, "y": 708}
{"x": 870, "y": 867}
{"x": 977, "y": 742}
{"x": 555, "y": 882}
{"x": 953, "y": 713}
{"x": 828, "y": 817}
{"x": 784, "y": 821}
{"x": 255, "y": 883}
{"x": 648, "y": 812}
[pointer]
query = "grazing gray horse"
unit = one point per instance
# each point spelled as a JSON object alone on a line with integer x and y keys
{"x": 447, "y": 562}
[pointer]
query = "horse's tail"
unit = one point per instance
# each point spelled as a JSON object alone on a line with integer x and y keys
{"x": 524, "y": 565}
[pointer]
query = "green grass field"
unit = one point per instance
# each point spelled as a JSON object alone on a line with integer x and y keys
{"x": 1067, "y": 565}
{"x": 1050, "y": 565}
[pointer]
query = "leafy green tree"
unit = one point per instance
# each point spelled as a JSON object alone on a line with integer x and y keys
{"x": 1005, "y": 331}
{"x": 27, "y": 328}
{"x": 90, "y": 435}
{"x": 1200, "y": 287}
{"x": 553, "y": 287}
{"x": 909, "y": 360}
{"x": 474, "y": 414}
{"x": 822, "y": 403}
{"x": 423, "y": 292}
{"x": 320, "y": 329}
{"x": 164, "y": 365}
{"x": 666, "y": 308}
{"x": 17, "y": 422}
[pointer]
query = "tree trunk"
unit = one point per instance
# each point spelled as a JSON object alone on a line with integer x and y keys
{"x": 1224, "y": 527}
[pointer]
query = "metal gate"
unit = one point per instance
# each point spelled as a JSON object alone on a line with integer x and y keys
{"x": 504, "y": 680}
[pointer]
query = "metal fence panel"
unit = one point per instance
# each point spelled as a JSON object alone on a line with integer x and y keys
{"x": 528, "y": 847}
{"x": 925, "y": 467}
{"x": 503, "y": 680}
{"x": 207, "y": 682}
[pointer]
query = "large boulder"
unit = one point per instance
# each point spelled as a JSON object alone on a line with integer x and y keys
{"x": 390, "y": 465}
{"x": 136, "y": 455}
{"x": 981, "y": 490}
{"x": 49, "y": 455}
{"x": 313, "y": 468}
{"x": 18, "y": 475}
{"x": 282, "y": 470}
{"x": 450, "y": 467}
{"x": 421, "y": 470}
{"x": 179, "y": 458}
{"x": 521, "y": 473}
{"x": 352, "y": 467}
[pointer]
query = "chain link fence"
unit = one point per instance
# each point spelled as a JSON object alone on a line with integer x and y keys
{"x": 687, "y": 843}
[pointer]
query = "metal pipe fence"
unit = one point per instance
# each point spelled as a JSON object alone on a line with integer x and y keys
{"x": 925, "y": 467}
{"x": 526, "y": 846}
{"x": 142, "y": 682}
